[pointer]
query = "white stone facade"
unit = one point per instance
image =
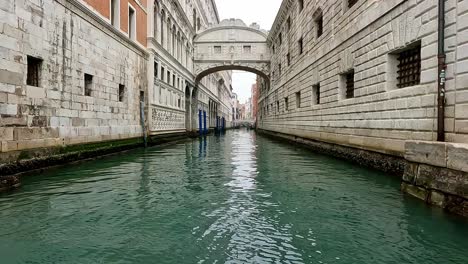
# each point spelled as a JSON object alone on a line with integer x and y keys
{"x": 175, "y": 96}
{"x": 67, "y": 42}
{"x": 364, "y": 38}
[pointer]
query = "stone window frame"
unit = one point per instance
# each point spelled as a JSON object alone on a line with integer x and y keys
{"x": 114, "y": 13}
{"x": 392, "y": 74}
{"x": 345, "y": 87}
{"x": 286, "y": 104}
{"x": 34, "y": 71}
{"x": 217, "y": 49}
{"x": 132, "y": 22}
{"x": 247, "y": 49}
{"x": 318, "y": 22}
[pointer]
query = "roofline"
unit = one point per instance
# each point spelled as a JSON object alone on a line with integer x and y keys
{"x": 278, "y": 19}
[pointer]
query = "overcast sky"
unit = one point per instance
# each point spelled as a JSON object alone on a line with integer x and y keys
{"x": 261, "y": 11}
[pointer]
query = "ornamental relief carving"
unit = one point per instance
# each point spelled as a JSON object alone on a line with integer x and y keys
{"x": 164, "y": 119}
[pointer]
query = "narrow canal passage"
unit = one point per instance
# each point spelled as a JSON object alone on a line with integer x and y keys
{"x": 237, "y": 198}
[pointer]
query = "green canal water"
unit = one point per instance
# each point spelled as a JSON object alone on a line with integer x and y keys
{"x": 236, "y": 198}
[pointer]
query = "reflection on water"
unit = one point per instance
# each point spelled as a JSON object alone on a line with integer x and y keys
{"x": 234, "y": 198}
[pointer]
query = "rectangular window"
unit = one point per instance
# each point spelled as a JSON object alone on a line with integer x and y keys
{"x": 115, "y": 12}
{"x": 351, "y": 3}
{"x": 409, "y": 67}
{"x": 288, "y": 24}
{"x": 277, "y": 107}
{"x": 156, "y": 69}
{"x": 301, "y": 5}
{"x": 168, "y": 80}
{"x": 288, "y": 59}
{"x": 349, "y": 84}
{"x": 162, "y": 73}
{"x": 280, "y": 38}
{"x": 316, "y": 94}
{"x": 273, "y": 48}
{"x": 286, "y": 104}
{"x": 173, "y": 80}
{"x": 34, "y": 71}
{"x": 319, "y": 25}
{"x": 121, "y": 92}
{"x": 301, "y": 45}
{"x": 178, "y": 103}
{"x": 247, "y": 49}
{"x": 217, "y": 49}
{"x": 131, "y": 23}
{"x": 298, "y": 100}
{"x": 88, "y": 84}
{"x": 279, "y": 69}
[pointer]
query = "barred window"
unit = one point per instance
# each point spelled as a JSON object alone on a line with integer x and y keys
{"x": 247, "y": 49}
{"x": 409, "y": 67}
{"x": 34, "y": 69}
{"x": 349, "y": 77}
{"x": 217, "y": 49}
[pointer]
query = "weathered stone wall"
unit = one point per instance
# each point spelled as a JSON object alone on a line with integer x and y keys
{"x": 380, "y": 117}
{"x": 438, "y": 174}
{"x": 71, "y": 41}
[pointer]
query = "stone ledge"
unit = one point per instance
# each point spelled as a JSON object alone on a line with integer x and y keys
{"x": 34, "y": 159}
{"x": 440, "y": 154}
{"x": 383, "y": 162}
{"x": 431, "y": 153}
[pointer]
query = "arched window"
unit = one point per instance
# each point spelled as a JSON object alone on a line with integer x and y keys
{"x": 163, "y": 18}
{"x": 174, "y": 41}
{"x": 155, "y": 22}
{"x": 194, "y": 17}
{"x": 168, "y": 46}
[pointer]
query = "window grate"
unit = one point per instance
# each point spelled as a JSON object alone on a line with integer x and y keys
{"x": 351, "y": 3}
{"x": 409, "y": 67}
{"x": 350, "y": 84}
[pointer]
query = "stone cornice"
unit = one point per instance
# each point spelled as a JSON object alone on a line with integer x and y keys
{"x": 90, "y": 16}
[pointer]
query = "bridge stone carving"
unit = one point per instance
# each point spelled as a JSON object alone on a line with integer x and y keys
{"x": 232, "y": 45}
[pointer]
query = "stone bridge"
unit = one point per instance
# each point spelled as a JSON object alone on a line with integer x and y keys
{"x": 232, "y": 45}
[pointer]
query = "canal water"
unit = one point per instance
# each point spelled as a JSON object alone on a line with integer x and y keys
{"x": 235, "y": 198}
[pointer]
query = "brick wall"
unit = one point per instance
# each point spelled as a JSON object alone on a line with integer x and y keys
{"x": 380, "y": 117}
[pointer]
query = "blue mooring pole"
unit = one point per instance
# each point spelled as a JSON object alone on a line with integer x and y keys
{"x": 200, "y": 128}
{"x": 204, "y": 123}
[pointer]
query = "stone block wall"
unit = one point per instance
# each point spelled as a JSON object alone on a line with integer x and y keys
{"x": 363, "y": 38}
{"x": 438, "y": 174}
{"x": 70, "y": 41}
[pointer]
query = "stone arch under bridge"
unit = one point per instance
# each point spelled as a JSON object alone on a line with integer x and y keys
{"x": 232, "y": 45}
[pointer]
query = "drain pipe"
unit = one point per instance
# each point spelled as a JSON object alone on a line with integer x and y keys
{"x": 442, "y": 73}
